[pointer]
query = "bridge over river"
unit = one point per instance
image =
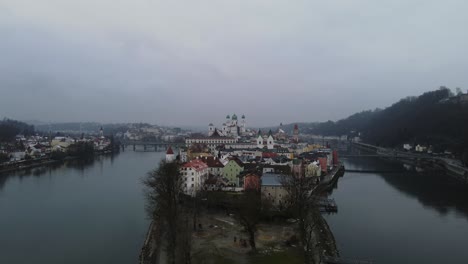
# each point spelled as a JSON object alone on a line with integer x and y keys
{"x": 150, "y": 145}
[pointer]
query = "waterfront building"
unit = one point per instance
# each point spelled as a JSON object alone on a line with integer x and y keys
{"x": 170, "y": 157}
{"x": 313, "y": 169}
{"x": 194, "y": 174}
{"x": 252, "y": 182}
{"x": 272, "y": 189}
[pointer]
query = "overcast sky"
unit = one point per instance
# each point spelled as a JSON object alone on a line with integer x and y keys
{"x": 193, "y": 62}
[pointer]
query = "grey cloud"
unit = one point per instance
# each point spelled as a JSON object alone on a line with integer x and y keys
{"x": 192, "y": 63}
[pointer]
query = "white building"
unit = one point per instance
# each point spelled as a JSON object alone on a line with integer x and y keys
{"x": 265, "y": 140}
{"x": 194, "y": 174}
{"x": 231, "y": 127}
{"x": 212, "y": 141}
{"x": 170, "y": 157}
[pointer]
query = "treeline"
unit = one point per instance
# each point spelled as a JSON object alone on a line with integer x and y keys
{"x": 109, "y": 129}
{"x": 436, "y": 118}
{"x": 10, "y": 128}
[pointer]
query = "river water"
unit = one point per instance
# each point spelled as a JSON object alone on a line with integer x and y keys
{"x": 76, "y": 213}
{"x": 94, "y": 213}
{"x": 405, "y": 217}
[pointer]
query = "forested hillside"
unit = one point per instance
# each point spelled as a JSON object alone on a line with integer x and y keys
{"x": 436, "y": 118}
{"x": 10, "y": 128}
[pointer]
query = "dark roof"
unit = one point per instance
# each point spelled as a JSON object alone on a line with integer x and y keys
{"x": 237, "y": 160}
{"x": 271, "y": 179}
{"x": 212, "y": 162}
{"x": 216, "y": 134}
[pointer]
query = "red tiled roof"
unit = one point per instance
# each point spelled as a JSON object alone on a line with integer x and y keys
{"x": 196, "y": 164}
{"x": 269, "y": 155}
{"x": 212, "y": 162}
{"x": 169, "y": 151}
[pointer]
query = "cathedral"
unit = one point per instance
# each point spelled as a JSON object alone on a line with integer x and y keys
{"x": 231, "y": 127}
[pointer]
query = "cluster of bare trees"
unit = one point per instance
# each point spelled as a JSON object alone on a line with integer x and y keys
{"x": 177, "y": 214}
{"x": 170, "y": 211}
{"x": 301, "y": 204}
{"x": 249, "y": 209}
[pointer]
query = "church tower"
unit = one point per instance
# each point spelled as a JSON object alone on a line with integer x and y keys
{"x": 170, "y": 155}
{"x": 101, "y": 133}
{"x": 296, "y": 133}
{"x": 210, "y": 129}
{"x": 243, "y": 129}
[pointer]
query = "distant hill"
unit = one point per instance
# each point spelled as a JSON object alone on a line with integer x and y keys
{"x": 9, "y": 128}
{"x": 438, "y": 118}
{"x": 304, "y": 127}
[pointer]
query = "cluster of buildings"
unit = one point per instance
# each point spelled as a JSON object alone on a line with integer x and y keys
{"x": 235, "y": 135}
{"x": 43, "y": 146}
{"x": 235, "y": 158}
{"x": 147, "y": 132}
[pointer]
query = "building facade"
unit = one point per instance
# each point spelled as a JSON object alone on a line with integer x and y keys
{"x": 194, "y": 174}
{"x": 232, "y": 170}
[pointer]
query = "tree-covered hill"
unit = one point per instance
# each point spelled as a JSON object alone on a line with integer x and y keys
{"x": 10, "y": 128}
{"x": 438, "y": 118}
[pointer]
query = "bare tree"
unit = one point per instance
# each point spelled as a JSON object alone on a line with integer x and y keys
{"x": 248, "y": 213}
{"x": 164, "y": 203}
{"x": 301, "y": 204}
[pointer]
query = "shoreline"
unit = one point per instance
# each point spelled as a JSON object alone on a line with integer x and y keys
{"x": 45, "y": 162}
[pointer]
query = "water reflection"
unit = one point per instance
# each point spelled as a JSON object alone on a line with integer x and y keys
{"x": 77, "y": 165}
{"x": 433, "y": 189}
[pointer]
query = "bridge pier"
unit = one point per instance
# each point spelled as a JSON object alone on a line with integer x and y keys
{"x": 134, "y": 148}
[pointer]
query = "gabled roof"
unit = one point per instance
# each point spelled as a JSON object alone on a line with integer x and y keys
{"x": 216, "y": 134}
{"x": 212, "y": 162}
{"x": 196, "y": 164}
{"x": 236, "y": 160}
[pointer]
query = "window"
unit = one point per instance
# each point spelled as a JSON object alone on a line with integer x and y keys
{"x": 192, "y": 180}
{"x": 192, "y": 173}
{"x": 192, "y": 184}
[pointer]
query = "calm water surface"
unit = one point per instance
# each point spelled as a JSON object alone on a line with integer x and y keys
{"x": 94, "y": 213}
{"x": 76, "y": 213}
{"x": 400, "y": 217}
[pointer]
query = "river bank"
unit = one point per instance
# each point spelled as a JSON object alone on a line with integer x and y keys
{"x": 34, "y": 163}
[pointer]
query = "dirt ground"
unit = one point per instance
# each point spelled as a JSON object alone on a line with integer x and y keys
{"x": 219, "y": 240}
